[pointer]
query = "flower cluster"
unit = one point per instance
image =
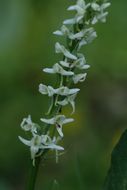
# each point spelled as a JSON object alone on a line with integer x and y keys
{"x": 39, "y": 142}
{"x": 79, "y": 31}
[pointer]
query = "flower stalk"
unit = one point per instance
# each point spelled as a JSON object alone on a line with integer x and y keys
{"x": 33, "y": 174}
{"x": 72, "y": 69}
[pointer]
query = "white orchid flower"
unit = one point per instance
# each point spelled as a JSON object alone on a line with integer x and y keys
{"x": 65, "y": 91}
{"x": 46, "y": 90}
{"x": 90, "y": 35}
{"x": 65, "y": 63}
{"x": 40, "y": 143}
{"x": 81, "y": 62}
{"x": 95, "y": 6}
{"x": 80, "y": 8}
{"x": 28, "y": 125}
{"x": 58, "y": 69}
{"x": 100, "y": 14}
{"x": 61, "y": 49}
{"x": 63, "y": 31}
{"x": 69, "y": 100}
{"x": 79, "y": 78}
{"x": 58, "y": 121}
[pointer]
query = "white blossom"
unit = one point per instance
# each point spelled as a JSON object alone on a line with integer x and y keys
{"x": 58, "y": 121}
{"x": 95, "y": 6}
{"x": 65, "y": 91}
{"x": 80, "y": 8}
{"x": 105, "y": 5}
{"x": 39, "y": 143}
{"x": 99, "y": 17}
{"x": 100, "y": 14}
{"x": 79, "y": 78}
{"x": 58, "y": 69}
{"x": 88, "y": 38}
{"x": 61, "y": 49}
{"x": 70, "y": 21}
{"x": 84, "y": 33}
{"x": 78, "y": 35}
{"x": 65, "y": 64}
{"x": 28, "y": 125}
{"x": 68, "y": 100}
{"x": 80, "y": 63}
{"x": 63, "y": 31}
{"x": 46, "y": 90}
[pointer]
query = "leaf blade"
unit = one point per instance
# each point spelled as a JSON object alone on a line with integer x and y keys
{"x": 117, "y": 175}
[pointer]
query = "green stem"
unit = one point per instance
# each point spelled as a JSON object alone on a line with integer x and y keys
{"x": 33, "y": 174}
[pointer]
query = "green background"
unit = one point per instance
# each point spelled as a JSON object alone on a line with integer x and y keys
{"x": 26, "y": 47}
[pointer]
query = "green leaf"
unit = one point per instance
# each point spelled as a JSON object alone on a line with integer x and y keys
{"x": 117, "y": 175}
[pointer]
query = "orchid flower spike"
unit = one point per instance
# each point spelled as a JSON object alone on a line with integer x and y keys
{"x": 70, "y": 70}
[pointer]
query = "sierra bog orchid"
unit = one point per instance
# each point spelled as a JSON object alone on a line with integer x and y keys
{"x": 71, "y": 69}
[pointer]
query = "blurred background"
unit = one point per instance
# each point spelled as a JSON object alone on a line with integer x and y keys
{"x": 27, "y": 46}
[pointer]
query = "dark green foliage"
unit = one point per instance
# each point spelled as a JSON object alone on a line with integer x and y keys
{"x": 117, "y": 175}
